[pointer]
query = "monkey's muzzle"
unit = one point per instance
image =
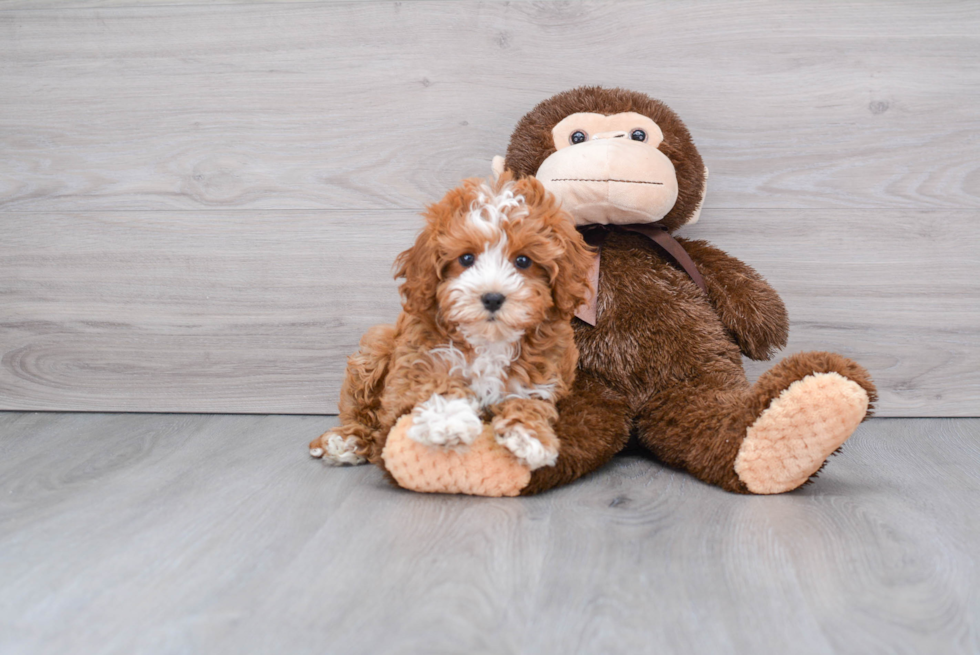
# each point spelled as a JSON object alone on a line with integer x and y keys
{"x": 611, "y": 181}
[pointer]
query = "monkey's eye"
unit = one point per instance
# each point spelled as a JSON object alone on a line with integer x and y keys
{"x": 638, "y": 135}
{"x": 578, "y": 136}
{"x": 522, "y": 261}
{"x": 467, "y": 260}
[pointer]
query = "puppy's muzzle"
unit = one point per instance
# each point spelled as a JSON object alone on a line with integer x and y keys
{"x": 492, "y": 301}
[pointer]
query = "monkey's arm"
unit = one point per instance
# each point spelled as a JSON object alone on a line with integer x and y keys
{"x": 751, "y": 309}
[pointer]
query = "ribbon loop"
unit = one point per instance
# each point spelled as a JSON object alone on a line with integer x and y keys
{"x": 596, "y": 235}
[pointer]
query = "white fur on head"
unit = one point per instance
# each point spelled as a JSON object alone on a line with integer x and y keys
{"x": 489, "y": 210}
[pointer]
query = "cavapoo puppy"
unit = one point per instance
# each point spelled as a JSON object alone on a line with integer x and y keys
{"x": 485, "y": 334}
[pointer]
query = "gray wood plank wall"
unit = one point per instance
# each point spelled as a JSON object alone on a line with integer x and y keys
{"x": 199, "y": 204}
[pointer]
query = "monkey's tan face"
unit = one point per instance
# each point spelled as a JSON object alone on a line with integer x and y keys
{"x": 607, "y": 169}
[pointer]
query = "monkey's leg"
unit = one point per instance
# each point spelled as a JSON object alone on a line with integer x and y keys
{"x": 765, "y": 439}
{"x": 353, "y": 441}
{"x": 593, "y": 425}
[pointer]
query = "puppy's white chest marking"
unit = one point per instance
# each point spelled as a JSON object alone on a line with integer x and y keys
{"x": 488, "y": 371}
{"x": 539, "y": 391}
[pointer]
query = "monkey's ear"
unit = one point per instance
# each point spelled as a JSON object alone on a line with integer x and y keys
{"x": 497, "y": 165}
{"x": 696, "y": 214}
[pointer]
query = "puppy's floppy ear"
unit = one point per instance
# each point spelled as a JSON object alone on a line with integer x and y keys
{"x": 570, "y": 286}
{"x": 420, "y": 268}
{"x": 569, "y": 271}
{"x": 420, "y": 265}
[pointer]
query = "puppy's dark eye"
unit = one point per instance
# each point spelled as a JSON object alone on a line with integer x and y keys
{"x": 638, "y": 135}
{"x": 578, "y": 136}
{"x": 522, "y": 261}
{"x": 467, "y": 260}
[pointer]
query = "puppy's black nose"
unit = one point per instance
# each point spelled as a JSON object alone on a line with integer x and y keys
{"x": 493, "y": 301}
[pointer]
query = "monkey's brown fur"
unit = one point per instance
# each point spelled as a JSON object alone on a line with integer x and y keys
{"x": 664, "y": 360}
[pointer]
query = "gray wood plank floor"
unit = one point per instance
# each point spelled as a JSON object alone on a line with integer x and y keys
{"x": 213, "y": 534}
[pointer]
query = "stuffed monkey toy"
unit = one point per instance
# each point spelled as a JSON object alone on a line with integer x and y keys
{"x": 661, "y": 358}
{"x": 661, "y": 343}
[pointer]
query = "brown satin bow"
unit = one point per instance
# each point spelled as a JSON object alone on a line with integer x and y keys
{"x": 595, "y": 235}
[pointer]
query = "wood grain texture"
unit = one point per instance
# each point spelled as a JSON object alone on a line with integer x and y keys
{"x": 380, "y": 105}
{"x": 899, "y": 292}
{"x": 181, "y": 311}
{"x": 154, "y": 311}
{"x": 203, "y": 534}
{"x": 199, "y": 203}
{"x": 257, "y": 312}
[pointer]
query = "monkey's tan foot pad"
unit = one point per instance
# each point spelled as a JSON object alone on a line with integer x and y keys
{"x": 482, "y": 468}
{"x": 336, "y": 450}
{"x": 793, "y": 437}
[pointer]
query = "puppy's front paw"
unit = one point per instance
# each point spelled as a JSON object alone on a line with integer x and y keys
{"x": 441, "y": 421}
{"x": 336, "y": 450}
{"x": 526, "y": 446}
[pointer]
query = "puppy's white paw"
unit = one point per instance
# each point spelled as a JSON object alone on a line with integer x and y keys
{"x": 441, "y": 421}
{"x": 527, "y": 448}
{"x": 337, "y": 451}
